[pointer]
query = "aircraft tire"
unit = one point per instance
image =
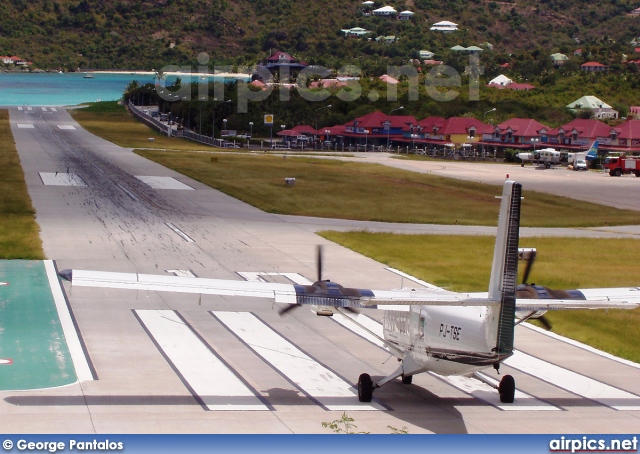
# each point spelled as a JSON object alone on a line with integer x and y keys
{"x": 365, "y": 388}
{"x": 407, "y": 379}
{"x": 507, "y": 389}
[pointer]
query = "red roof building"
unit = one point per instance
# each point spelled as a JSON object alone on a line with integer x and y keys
{"x": 512, "y": 86}
{"x": 593, "y": 66}
{"x": 578, "y": 133}
{"x": 516, "y": 133}
{"x": 625, "y": 137}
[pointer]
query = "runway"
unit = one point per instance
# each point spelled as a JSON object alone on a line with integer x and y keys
{"x": 185, "y": 363}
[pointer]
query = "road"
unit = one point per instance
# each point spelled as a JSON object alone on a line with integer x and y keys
{"x": 176, "y": 363}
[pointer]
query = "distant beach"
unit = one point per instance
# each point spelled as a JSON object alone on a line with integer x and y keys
{"x": 241, "y": 76}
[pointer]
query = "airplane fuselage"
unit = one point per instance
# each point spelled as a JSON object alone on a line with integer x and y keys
{"x": 445, "y": 340}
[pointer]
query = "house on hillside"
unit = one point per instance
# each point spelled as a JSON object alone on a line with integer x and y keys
{"x": 355, "y": 32}
{"x": 405, "y": 15}
{"x": 468, "y": 50}
{"x": 425, "y": 54}
{"x": 558, "y": 59}
{"x": 634, "y": 113}
{"x": 385, "y": 11}
{"x": 387, "y": 39}
{"x": 283, "y": 65}
{"x": 594, "y": 66}
{"x": 444, "y": 27}
{"x": 598, "y": 109}
{"x": 500, "y": 80}
{"x": 388, "y": 79}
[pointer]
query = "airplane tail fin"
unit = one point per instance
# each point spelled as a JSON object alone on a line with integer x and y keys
{"x": 504, "y": 271}
{"x": 592, "y": 152}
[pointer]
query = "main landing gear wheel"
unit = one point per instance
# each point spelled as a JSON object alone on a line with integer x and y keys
{"x": 407, "y": 379}
{"x": 365, "y": 388}
{"x": 507, "y": 389}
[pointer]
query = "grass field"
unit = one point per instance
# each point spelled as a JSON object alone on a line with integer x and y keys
{"x": 19, "y": 233}
{"x": 114, "y": 123}
{"x": 348, "y": 190}
{"x": 463, "y": 263}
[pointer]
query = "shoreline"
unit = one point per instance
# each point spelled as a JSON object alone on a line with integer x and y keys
{"x": 168, "y": 73}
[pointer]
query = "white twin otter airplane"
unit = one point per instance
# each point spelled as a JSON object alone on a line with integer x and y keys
{"x": 430, "y": 329}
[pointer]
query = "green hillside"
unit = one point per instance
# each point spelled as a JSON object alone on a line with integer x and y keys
{"x": 144, "y": 34}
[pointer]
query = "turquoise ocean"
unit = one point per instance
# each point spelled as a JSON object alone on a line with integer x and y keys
{"x": 66, "y": 89}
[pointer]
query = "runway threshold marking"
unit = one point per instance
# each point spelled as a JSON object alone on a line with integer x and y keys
{"x": 210, "y": 380}
{"x": 372, "y": 331}
{"x": 574, "y": 383}
{"x": 25, "y": 126}
{"x": 61, "y": 179}
{"x": 312, "y": 378}
{"x": 68, "y": 127}
{"x": 163, "y": 183}
{"x": 256, "y": 276}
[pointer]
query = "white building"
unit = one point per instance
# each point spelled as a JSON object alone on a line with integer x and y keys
{"x": 444, "y": 27}
{"x": 599, "y": 109}
{"x": 405, "y": 15}
{"x": 356, "y": 31}
{"x": 385, "y": 11}
{"x": 501, "y": 80}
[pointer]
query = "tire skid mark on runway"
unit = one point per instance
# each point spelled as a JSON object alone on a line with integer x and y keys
{"x": 208, "y": 377}
{"x": 315, "y": 380}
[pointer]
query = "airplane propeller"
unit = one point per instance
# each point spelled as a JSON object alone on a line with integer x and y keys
{"x": 530, "y": 256}
{"x": 319, "y": 262}
{"x": 322, "y": 290}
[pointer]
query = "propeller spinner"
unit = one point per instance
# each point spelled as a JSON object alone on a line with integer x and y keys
{"x": 325, "y": 293}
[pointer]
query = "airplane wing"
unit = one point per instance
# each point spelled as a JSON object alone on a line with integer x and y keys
{"x": 280, "y": 293}
{"x": 398, "y": 300}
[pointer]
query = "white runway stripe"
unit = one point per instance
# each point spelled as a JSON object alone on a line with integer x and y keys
{"x": 372, "y": 331}
{"x": 206, "y": 375}
{"x": 574, "y": 383}
{"x": 163, "y": 183}
{"x": 489, "y": 394}
{"x": 308, "y": 375}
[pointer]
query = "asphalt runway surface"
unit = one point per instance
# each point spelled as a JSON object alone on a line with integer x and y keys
{"x": 184, "y": 363}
